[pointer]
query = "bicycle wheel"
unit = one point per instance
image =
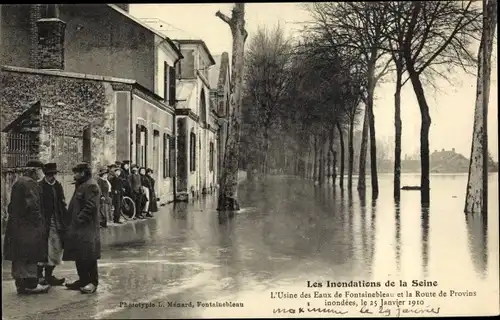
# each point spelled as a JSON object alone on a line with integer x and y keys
{"x": 128, "y": 208}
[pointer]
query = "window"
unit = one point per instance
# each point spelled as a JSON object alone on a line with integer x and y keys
{"x": 192, "y": 152}
{"x": 169, "y": 84}
{"x": 166, "y": 164}
{"x": 211, "y": 157}
{"x": 141, "y": 138}
{"x": 172, "y": 157}
{"x": 203, "y": 107}
{"x": 166, "y": 78}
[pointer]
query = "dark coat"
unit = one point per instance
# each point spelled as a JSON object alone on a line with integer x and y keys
{"x": 83, "y": 238}
{"x": 54, "y": 203}
{"x": 135, "y": 182}
{"x": 104, "y": 187}
{"x": 153, "y": 202}
{"x": 116, "y": 186}
{"x": 26, "y": 232}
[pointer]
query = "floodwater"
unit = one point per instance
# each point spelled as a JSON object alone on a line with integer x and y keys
{"x": 288, "y": 232}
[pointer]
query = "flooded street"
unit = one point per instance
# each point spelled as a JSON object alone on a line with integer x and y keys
{"x": 288, "y": 232}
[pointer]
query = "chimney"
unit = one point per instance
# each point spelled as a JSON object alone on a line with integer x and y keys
{"x": 453, "y": 149}
{"x": 123, "y": 6}
{"x": 50, "y": 46}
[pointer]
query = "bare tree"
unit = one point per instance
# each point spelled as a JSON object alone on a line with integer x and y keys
{"x": 229, "y": 178}
{"x": 477, "y": 186}
{"x": 438, "y": 36}
{"x": 359, "y": 26}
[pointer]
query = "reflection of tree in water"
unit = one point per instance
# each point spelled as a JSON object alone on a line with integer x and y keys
{"x": 229, "y": 258}
{"x": 477, "y": 230}
{"x": 372, "y": 237}
{"x": 424, "y": 219}
{"x": 397, "y": 211}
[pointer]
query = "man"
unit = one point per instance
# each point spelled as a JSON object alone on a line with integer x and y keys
{"x": 125, "y": 165}
{"x": 116, "y": 192}
{"x": 25, "y": 235}
{"x": 137, "y": 192}
{"x": 105, "y": 187}
{"x": 83, "y": 239}
{"x": 125, "y": 173}
{"x": 55, "y": 213}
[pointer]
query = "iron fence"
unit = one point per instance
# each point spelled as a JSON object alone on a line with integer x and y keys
{"x": 18, "y": 148}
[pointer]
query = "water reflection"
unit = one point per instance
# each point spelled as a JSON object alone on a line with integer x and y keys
{"x": 425, "y": 239}
{"x": 477, "y": 231}
{"x": 397, "y": 218}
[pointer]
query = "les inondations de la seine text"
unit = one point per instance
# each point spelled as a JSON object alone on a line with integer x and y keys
{"x": 360, "y": 297}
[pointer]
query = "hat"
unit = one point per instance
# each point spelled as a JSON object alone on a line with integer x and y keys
{"x": 34, "y": 164}
{"x": 118, "y": 163}
{"x": 134, "y": 167}
{"x": 126, "y": 161}
{"x": 81, "y": 167}
{"x": 103, "y": 171}
{"x": 50, "y": 168}
{"x": 149, "y": 170}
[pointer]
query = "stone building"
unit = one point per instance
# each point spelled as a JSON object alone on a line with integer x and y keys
{"x": 220, "y": 79}
{"x": 92, "y": 66}
{"x": 197, "y": 124}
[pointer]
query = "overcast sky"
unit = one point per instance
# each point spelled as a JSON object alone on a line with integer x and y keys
{"x": 451, "y": 108}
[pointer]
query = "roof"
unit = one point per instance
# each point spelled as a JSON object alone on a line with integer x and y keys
{"x": 145, "y": 26}
{"x": 197, "y": 41}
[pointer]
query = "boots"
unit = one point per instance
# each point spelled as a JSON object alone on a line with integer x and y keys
{"x": 30, "y": 286}
{"x": 39, "y": 274}
{"x": 50, "y": 279}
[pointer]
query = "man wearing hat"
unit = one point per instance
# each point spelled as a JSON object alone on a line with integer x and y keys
{"x": 83, "y": 239}
{"x": 105, "y": 187}
{"x": 116, "y": 191}
{"x": 56, "y": 217}
{"x": 137, "y": 191}
{"x": 25, "y": 241}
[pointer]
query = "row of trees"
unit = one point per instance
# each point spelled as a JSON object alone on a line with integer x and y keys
{"x": 307, "y": 96}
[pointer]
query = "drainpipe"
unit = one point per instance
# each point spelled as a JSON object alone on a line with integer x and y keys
{"x": 131, "y": 125}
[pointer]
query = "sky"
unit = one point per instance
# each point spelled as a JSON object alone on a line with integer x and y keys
{"x": 451, "y": 108}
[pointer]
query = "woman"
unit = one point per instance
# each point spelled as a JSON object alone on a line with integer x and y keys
{"x": 153, "y": 206}
{"x": 146, "y": 188}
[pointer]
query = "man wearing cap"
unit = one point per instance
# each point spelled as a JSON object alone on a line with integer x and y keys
{"x": 105, "y": 187}
{"x": 25, "y": 241}
{"x": 56, "y": 218}
{"x": 116, "y": 191}
{"x": 137, "y": 192}
{"x": 83, "y": 239}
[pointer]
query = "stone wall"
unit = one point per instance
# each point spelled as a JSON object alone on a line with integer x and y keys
{"x": 69, "y": 104}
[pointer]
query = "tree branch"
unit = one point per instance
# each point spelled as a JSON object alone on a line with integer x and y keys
{"x": 224, "y": 18}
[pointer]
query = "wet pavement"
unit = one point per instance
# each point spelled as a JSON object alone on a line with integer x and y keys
{"x": 287, "y": 233}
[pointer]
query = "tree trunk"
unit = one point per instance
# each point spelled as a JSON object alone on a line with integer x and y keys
{"x": 362, "y": 154}
{"x": 334, "y": 155}
{"x": 424, "y": 135}
{"x": 342, "y": 160}
{"x": 476, "y": 200}
{"x": 371, "y": 122}
{"x": 229, "y": 180}
{"x": 321, "y": 162}
{"x": 315, "y": 164}
{"x": 398, "y": 131}
{"x": 351, "y": 153}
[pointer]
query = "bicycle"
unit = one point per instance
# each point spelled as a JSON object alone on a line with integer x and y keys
{"x": 128, "y": 211}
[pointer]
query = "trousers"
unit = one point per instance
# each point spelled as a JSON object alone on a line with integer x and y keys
{"x": 55, "y": 246}
{"x": 25, "y": 274}
{"x": 117, "y": 204}
{"x": 87, "y": 272}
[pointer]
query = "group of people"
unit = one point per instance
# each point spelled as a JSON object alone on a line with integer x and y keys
{"x": 121, "y": 179}
{"x": 42, "y": 230}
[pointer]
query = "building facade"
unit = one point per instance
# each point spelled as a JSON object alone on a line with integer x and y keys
{"x": 95, "y": 57}
{"x": 196, "y": 125}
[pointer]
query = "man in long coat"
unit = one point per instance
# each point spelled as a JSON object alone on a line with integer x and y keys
{"x": 55, "y": 212}
{"x": 25, "y": 236}
{"x": 83, "y": 240}
{"x": 116, "y": 192}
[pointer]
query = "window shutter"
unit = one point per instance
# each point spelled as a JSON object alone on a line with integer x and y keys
{"x": 171, "y": 86}
{"x": 165, "y": 81}
{"x": 188, "y": 64}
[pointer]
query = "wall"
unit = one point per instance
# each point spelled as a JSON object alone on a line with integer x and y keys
{"x": 69, "y": 103}
{"x": 145, "y": 112}
{"x": 98, "y": 40}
